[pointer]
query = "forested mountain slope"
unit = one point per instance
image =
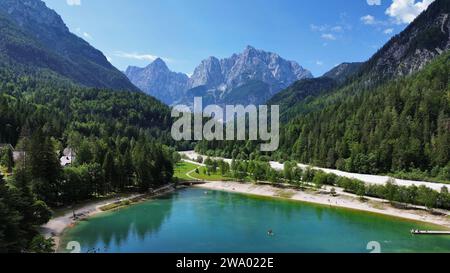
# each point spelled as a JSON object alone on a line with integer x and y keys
{"x": 400, "y": 125}
{"x": 408, "y": 52}
{"x": 392, "y": 116}
{"x": 116, "y": 138}
{"x": 427, "y": 37}
{"x": 300, "y": 93}
{"x": 34, "y": 38}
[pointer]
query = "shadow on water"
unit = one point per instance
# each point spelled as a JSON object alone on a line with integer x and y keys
{"x": 194, "y": 220}
{"x": 116, "y": 228}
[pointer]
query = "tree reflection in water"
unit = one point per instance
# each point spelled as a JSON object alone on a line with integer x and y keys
{"x": 117, "y": 227}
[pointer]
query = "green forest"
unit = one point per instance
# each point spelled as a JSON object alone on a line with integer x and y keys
{"x": 296, "y": 177}
{"x": 121, "y": 141}
{"x": 370, "y": 122}
{"x": 400, "y": 127}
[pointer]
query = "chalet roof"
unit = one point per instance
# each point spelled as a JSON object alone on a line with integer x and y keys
{"x": 68, "y": 152}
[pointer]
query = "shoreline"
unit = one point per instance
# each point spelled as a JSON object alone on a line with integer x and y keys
{"x": 366, "y": 178}
{"x": 345, "y": 201}
{"x": 56, "y": 227}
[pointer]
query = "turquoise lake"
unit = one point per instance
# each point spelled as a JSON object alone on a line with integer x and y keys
{"x": 191, "y": 221}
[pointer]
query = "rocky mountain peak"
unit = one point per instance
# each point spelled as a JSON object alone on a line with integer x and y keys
{"x": 250, "y": 50}
{"x": 157, "y": 80}
{"x": 208, "y": 73}
{"x": 250, "y": 69}
{"x": 33, "y": 12}
{"x": 159, "y": 64}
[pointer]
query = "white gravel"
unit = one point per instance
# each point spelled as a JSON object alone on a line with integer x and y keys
{"x": 366, "y": 178}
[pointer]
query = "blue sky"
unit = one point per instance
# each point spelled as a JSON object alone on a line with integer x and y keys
{"x": 318, "y": 34}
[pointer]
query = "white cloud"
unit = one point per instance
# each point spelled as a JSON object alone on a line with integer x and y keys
{"x": 368, "y": 20}
{"x": 374, "y": 2}
{"x": 328, "y": 36}
{"x": 319, "y": 63}
{"x": 337, "y": 29}
{"x": 87, "y": 35}
{"x": 73, "y": 2}
{"x": 405, "y": 11}
{"x": 138, "y": 56}
{"x": 326, "y": 28}
{"x": 388, "y": 31}
{"x": 318, "y": 28}
{"x": 330, "y": 33}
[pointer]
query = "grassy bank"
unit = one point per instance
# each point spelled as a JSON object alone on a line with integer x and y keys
{"x": 186, "y": 171}
{"x": 203, "y": 174}
{"x": 182, "y": 169}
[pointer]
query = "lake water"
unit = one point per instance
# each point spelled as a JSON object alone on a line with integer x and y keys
{"x": 192, "y": 221}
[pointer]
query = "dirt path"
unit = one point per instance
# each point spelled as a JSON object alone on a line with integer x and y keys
{"x": 188, "y": 174}
{"x": 366, "y": 178}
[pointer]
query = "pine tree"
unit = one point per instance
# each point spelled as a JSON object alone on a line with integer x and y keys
{"x": 11, "y": 235}
{"x": 44, "y": 168}
{"x": 109, "y": 173}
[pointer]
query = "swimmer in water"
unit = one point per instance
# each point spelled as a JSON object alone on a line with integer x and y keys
{"x": 270, "y": 233}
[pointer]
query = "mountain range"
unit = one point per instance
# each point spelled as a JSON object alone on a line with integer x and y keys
{"x": 157, "y": 80}
{"x": 252, "y": 76}
{"x": 422, "y": 41}
{"x": 34, "y": 39}
{"x": 390, "y": 114}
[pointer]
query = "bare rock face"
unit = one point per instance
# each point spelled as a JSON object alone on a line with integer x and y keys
{"x": 251, "y": 65}
{"x": 208, "y": 73}
{"x": 422, "y": 41}
{"x": 31, "y": 11}
{"x": 250, "y": 77}
{"x": 343, "y": 71}
{"x": 157, "y": 80}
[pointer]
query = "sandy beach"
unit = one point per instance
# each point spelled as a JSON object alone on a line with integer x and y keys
{"x": 342, "y": 200}
{"x": 366, "y": 178}
{"x": 56, "y": 226}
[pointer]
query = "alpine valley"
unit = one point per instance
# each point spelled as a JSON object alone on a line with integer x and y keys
{"x": 367, "y": 142}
